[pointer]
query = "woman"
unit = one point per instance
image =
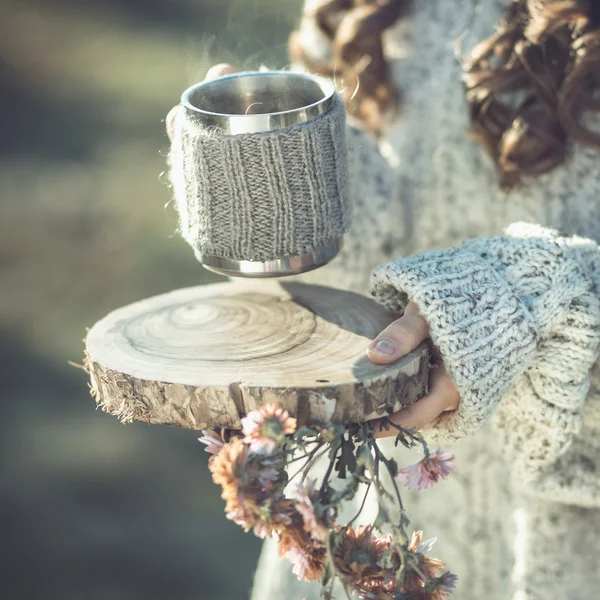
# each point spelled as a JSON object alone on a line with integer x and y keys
{"x": 513, "y": 307}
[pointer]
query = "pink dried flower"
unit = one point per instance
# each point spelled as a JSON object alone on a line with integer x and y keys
{"x": 358, "y": 556}
{"x": 416, "y": 545}
{"x": 318, "y": 529}
{"x": 307, "y": 556}
{"x": 443, "y": 586}
{"x": 228, "y": 468}
{"x": 263, "y": 529}
{"x": 431, "y": 568}
{"x": 428, "y": 471}
{"x": 264, "y": 471}
{"x": 268, "y": 475}
{"x": 274, "y": 515}
{"x": 301, "y": 563}
{"x": 246, "y": 519}
{"x": 213, "y": 443}
{"x": 266, "y": 427}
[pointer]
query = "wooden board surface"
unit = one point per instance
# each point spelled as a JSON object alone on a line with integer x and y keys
{"x": 207, "y": 355}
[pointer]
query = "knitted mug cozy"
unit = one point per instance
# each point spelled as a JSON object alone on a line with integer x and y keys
{"x": 261, "y": 196}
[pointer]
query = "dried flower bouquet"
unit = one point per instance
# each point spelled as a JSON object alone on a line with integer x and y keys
{"x": 265, "y": 475}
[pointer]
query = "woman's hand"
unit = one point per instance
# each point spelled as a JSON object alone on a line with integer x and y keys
{"x": 219, "y": 70}
{"x": 394, "y": 342}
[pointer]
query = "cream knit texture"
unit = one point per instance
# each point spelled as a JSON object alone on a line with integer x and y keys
{"x": 261, "y": 196}
{"x": 539, "y": 417}
{"x": 519, "y": 519}
{"x": 484, "y": 332}
{"x": 491, "y": 306}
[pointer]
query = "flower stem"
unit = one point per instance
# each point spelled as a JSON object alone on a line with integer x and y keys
{"x": 312, "y": 461}
{"x": 386, "y": 462}
{"x": 407, "y": 432}
{"x": 361, "y": 506}
{"x": 329, "y": 469}
{"x": 309, "y": 456}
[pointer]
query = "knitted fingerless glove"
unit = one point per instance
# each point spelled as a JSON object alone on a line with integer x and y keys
{"x": 517, "y": 318}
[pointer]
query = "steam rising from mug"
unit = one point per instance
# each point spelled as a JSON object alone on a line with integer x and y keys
{"x": 259, "y": 170}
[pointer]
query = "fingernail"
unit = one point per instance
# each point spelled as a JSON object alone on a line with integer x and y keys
{"x": 384, "y": 347}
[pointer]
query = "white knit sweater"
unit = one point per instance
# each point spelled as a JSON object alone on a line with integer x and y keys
{"x": 515, "y": 312}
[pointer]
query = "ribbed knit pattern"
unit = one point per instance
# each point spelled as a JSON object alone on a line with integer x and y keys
{"x": 491, "y": 306}
{"x": 484, "y": 332}
{"x": 261, "y": 196}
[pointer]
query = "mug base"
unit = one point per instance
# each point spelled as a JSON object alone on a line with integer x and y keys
{"x": 280, "y": 267}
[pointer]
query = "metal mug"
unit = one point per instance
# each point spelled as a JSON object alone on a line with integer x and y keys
{"x": 298, "y": 115}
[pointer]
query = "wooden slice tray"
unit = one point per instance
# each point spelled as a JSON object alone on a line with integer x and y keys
{"x": 205, "y": 356}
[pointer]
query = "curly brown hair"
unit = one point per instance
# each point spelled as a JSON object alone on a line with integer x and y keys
{"x": 528, "y": 86}
{"x": 354, "y": 29}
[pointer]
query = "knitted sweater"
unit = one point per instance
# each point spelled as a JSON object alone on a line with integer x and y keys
{"x": 513, "y": 308}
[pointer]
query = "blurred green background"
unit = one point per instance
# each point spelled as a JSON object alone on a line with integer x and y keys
{"x": 89, "y": 508}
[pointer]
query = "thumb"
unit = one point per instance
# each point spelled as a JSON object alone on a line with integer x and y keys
{"x": 399, "y": 338}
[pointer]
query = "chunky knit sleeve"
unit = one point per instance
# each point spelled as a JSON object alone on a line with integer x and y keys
{"x": 516, "y": 319}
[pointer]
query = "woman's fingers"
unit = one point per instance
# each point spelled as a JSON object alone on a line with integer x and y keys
{"x": 220, "y": 70}
{"x": 399, "y": 338}
{"x": 214, "y": 72}
{"x": 443, "y": 396}
{"x": 170, "y": 121}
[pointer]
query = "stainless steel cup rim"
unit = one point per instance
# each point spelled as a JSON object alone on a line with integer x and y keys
{"x": 244, "y": 85}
